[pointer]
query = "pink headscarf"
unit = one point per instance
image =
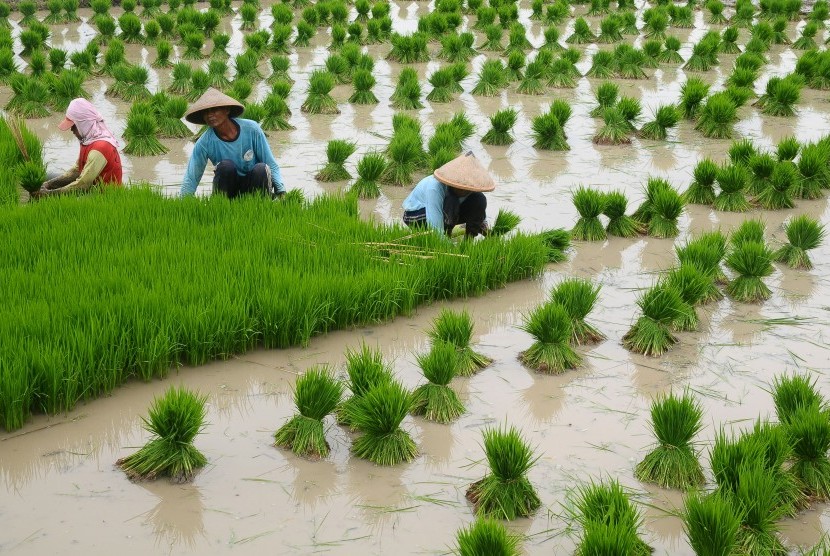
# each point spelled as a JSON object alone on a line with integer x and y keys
{"x": 89, "y": 122}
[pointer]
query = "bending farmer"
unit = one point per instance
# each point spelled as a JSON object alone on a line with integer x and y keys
{"x": 238, "y": 149}
{"x": 453, "y": 194}
{"x": 98, "y": 160}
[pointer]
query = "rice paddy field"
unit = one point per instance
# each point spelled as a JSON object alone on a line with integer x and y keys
{"x": 739, "y": 139}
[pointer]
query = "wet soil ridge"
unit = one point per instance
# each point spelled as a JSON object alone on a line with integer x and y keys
{"x": 141, "y": 284}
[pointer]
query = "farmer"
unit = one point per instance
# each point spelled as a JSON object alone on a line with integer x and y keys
{"x": 453, "y": 194}
{"x": 238, "y": 149}
{"x": 98, "y": 161}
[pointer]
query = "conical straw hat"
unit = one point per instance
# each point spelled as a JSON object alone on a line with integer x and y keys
{"x": 212, "y": 99}
{"x": 465, "y": 172}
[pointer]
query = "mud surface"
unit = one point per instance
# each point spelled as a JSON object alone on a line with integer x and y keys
{"x": 62, "y": 494}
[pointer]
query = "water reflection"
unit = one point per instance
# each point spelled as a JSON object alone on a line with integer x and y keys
{"x": 176, "y": 519}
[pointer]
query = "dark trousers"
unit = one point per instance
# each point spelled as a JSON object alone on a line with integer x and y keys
{"x": 472, "y": 213}
{"x": 229, "y": 183}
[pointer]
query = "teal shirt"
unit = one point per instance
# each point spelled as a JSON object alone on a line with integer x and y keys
{"x": 248, "y": 149}
{"x": 429, "y": 194}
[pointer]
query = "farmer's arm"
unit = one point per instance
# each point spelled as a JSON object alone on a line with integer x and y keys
{"x": 195, "y": 169}
{"x": 434, "y": 204}
{"x": 60, "y": 181}
{"x": 95, "y": 164}
{"x": 264, "y": 154}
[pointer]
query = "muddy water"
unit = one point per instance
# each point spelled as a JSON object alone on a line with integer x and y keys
{"x": 61, "y": 492}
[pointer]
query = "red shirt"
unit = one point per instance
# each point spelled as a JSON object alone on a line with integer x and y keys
{"x": 112, "y": 171}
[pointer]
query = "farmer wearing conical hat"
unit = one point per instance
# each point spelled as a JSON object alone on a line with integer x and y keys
{"x": 453, "y": 194}
{"x": 98, "y": 160}
{"x": 240, "y": 153}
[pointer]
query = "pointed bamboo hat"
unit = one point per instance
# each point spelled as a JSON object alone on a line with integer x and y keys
{"x": 465, "y": 172}
{"x": 212, "y": 99}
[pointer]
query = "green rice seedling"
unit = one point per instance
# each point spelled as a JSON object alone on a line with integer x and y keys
{"x": 803, "y": 234}
{"x": 246, "y": 66}
{"x": 643, "y": 213}
{"x": 84, "y": 60}
{"x": 378, "y": 415}
{"x": 65, "y": 87}
{"x": 405, "y": 154}
{"x": 279, "y": 69}
{"x": 505, "y": 492}
{"x": 675, "y": 420}
{"x": 275, "y": 113}
{"x": 142, "y": 133}
{"x": 813, "y": 173}
{"x": 630, "y": 108}
{"x": 777, "y": 193}
{"x": 130, "y": 27}
{"x": 557, "y": 241}
{"x": 407, "y": 94}
{"x": 548, "y": 133}
{"x": 152, "y": 31}
{"x": 167, "y": 24}
{"x": 666, "y": 207}
{"x": 743, "y": 78}
{"x": 728, "y": 43}
{"x": 456, "y": 328}
{"x": 305, "y": 31}
{"x": 615, "y": 129}
{"x": 701, "y": 58}
{"x": 32, "y": 41}
{"x": 8, "y": 65}
{"x": 807, "y": 40}
{"x": 609, "y": 520}
{"x": 501, "y": 123}
{"x": 651, "y": 335}
{"x": 716, "y": 116}
{"x": 174, "y": 421}
{"x": 610, "y": 30}
{"x": 319, "y": 101}
{"x": 749, "y": 230}
{"x": 30, "y": 174}
{"x": 629, "y": 62}
{"x": 531, "y": 83}
{"x": 752, "y": 261}
{"x": 749, "y": 60}
{"x": 790, "y": 393}
{"x": 248, "y": 13}
{"x": 808, "y": 430}
{"x": 551, "y": 35}
{"x": 169, "y": 113}
{"x": 316, "y": 394}
{"x": 515, "y": 64}
{"x": 561, "y": 110}
{"x": 652, "y": 49}
{"x": 788, "y": 149}
{"x": 589, "y": 203}
{"x": 366, "y": 369}
{"x": 37, "y": 64}
{"x": 779, "y": 31}
{"x": 163, "y": 51}
{"x": 355, "y": 33}
{"x": 819, "y": 13}
{"x": 182, "y": 74}
{"x": 55, "y": 16}
{"x": 493, "y": 34}
{"x": 337, "y": 151}
{"x": 761, "y": 166}
{"x": 629, "y": 23}
{"x": 665, "y": 118}
{"x": 606, "y": 97}
{"x": 694, "y": 287}
{"x": 733, "y": 180}
{"x": 459, "y": 73}
{"x": 603, "y": 65}
{"x": 28, "y": 99}
{"x": 442, "y": 86}
{"x": 506, "y": 221}
{"x": 28, "y": 11}
{"x": 740, "y": 152}
{"x": 619, "y": 224}
{"x": 193, "y": 43}
{"x": 491, "y": 79}
{"x": 757, "y": 498}
{"x": 552, "y": 329}
{"x": 363, "y": 82}
{"x": 487, "y": 536}
{"x": 780, "y": 97}
{"x": 517, "y": 39}
{"x": 280, "y": 37}
{"x": 218, "y": 69}
{"x": 712, "y": 523}
{"x": 57, "y": 60}
{"x": 716, "y": 16}
{"x": 339, "y": 67}
{"x": 578, "y": 298}
{"x": 436, "y": 401}
{"x": 702, "y": 190}
{"x": 671, "y": 54}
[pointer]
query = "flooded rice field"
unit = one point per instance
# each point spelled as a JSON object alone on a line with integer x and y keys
{"x": 61, "y": 492}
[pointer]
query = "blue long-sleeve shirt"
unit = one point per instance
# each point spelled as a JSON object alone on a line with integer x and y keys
{"x": 248, "y": 149}
{"x": 429, "y": 194}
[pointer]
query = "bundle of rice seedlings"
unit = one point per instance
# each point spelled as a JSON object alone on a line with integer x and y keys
{"x": 378, "y": 415}
{"x": 248, "y": 13}
{"x": 752, "y": 261}
{"x": 552, "y": 328}
{"x": 561, "y": 74}
{"x": 57, "y": 60}
{"x": 339, "y": 68}
{"x": 279, "y": 69}
{"x": 365, "y": 369}
{"x": 28, "y": 98}
{"x": 163, "y": 51}
{"x": 491, "y": 79}
{"x": 665, "y": 118}
{"x": 531, "y": 83}
{"x": 705, "y": 253}
{"x": 803, "y": 234}
{"x": 28, "y": 12}
{"x": 780, "y": 97}
{"x": 305, "y": 31}
{"x": 280, "y": 37}
{"x": 174, "y": 421}
{"x": 716, "y": 16}
{"x": 652, "y": 49}
{"x": 515, "y": 64}
{"x": 141, "y": 133}
{"x": 405, "y": 153}
{"x": 629, "y": 22}
{"x": 558, "y": 241}
{"x": 671, "y": 54}
{"x": 218, "y": 69}
{"x": 589, "y": 203}
{"x": 65, "y": 87}
{"x": 609, "y": 521}
{"x": 644, "y": 211}
{"x": 740, "y": 152}
{"x": 55, "y": 16}
{"x": 181, "y": 74}
{"x": 505, "y": 492}
{"x": 694, "y": 287}
{"x": 629, "y": 62}
{"x": 551, "y": 35}
{"x": 630, "y": 108}
{"x": 733, "y": 180}
{"x": 578, "y": 298}
{"x": 761, "y": 165}
{"x": 505, "y": 222}
{"x": 675, "y": 421}
{"x": 813, "y": 171}
{"x": 30, "y": 174}
{"x": 779, "y": 31}
{"x": 517, "y": 39}
{"x": 603, "y": 65}
{"x": 776, "y": 194}
{"x": 656, "y": 25}
{"x": 363, "y": 82}
{"x": 787, "y": 149}
{"x": 716, "y": 116}
{"x": 742, "y": 78}
{"x": 436, "y": 401}
{"x": 442, "y": 86}
{"x": 757, "y": 498}
{"x": 610, "y": 30}
{"x": 493, "y": 34}
{"x": 169, "y": 113}
{"x": 337, "y": 151}
{"x": 548, "y": 133}
{"x": 790, "y": 393}
{"x": 487, "y": 536}
{"x": 666, "y": 207}
{"x": 456, "y": 329}
{"x": 152, "y": 30}
{"x": 407, "y": 94}
{"x": 316, "y": 394}
{"x": 459, "y": 72}
{"x": 619, "y": 224}
{"x": 819, "y": 13}
{"x": 702, "y": 190}
{"x": 319, "y": 101}
{"x": 807, "y": 40}
{"x": 130, "y": 27}
{"x": 808, "y": 430}
{"x": 651, "y": 335}
{"x": 728, "y": 43}
{"x": 275, "y": 113}
{"x": 32, "y": 41}
{"x": 615, "y": 129}
{"x": 712, "y": 523}
{"x": 8, "y": 65}
{"x": 502, "y": 122}
{"x": 701, "y": 58}
{"x": 606, "y": 96}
